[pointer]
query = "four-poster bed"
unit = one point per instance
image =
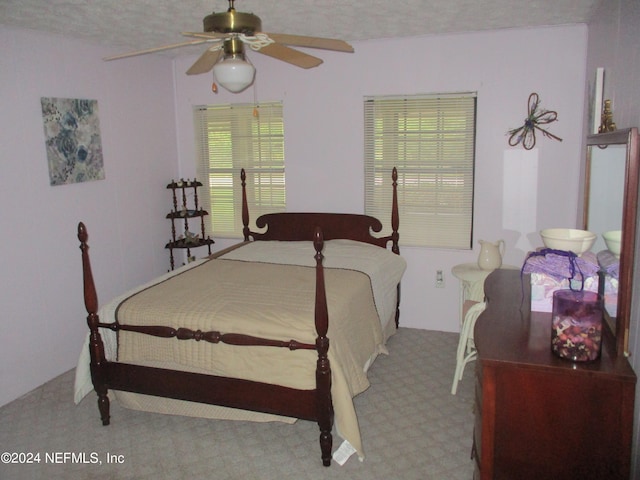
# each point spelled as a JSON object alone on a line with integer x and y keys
{"x": 260, "y": 315}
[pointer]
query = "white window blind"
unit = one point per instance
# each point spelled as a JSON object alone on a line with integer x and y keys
{"x": 232, "y": 137}
{"x": 431, "y": 140}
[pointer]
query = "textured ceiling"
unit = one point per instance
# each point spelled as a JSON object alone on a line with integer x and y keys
{"x": 138, "y": 24}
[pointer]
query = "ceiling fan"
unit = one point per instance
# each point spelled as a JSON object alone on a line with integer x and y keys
{"x": 229, "y": 32}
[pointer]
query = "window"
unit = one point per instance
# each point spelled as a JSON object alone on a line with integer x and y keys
{"x": 431, "y": 140}
{"x": 232, "y": 137}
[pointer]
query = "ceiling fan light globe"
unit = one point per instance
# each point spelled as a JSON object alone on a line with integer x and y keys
{"x": 234, "y": 74}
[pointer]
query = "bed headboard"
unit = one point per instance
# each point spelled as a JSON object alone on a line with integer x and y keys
{"x": 296, "y": 226}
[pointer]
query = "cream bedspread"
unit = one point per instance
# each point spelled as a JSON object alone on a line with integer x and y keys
{"x": 384, "y": 268}
{"x": 244, "y": 292}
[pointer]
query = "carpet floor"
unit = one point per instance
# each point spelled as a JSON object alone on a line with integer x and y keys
{"x": 412, "y": 428}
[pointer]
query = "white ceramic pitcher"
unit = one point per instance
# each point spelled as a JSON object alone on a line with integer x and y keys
{"x": 490, "y": 256}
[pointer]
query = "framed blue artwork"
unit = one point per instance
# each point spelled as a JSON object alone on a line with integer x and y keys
{"x": 72, "y": 136}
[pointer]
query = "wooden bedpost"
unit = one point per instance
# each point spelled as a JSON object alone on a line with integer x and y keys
{"x": 395, "y": 236}
{"x": 323, "y": 368}
{"x": 245, "y": 207}
{"x": 395, "y": 216}
{"x": 96, "y": 347}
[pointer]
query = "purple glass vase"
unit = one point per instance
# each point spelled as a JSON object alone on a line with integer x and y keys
{"x": 576, "y": 325}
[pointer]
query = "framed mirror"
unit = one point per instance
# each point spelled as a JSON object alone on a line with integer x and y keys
{"x": 610, "y": 211}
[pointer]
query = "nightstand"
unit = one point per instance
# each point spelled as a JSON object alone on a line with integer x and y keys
{"x": 472, "y": 304}
{"x": 472, "y": 278}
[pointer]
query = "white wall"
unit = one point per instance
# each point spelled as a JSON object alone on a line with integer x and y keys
{"x": 42, "y": 323}
{"x": 614, "y": 43}
{"x": 324, "y": 133}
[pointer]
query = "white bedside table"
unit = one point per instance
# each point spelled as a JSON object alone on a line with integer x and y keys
{"x": 472, "y": 278}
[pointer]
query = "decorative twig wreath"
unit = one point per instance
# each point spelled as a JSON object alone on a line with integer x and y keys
{"x": 527, "y": 133}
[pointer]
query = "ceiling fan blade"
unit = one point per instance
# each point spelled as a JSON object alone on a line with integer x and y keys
{"x": 156, "y": 49}
{"x": 311, "y": 42}
{"x": 209, "y": 35}
{"x": 205, "y": 63}
{"x": 289, "y": 55}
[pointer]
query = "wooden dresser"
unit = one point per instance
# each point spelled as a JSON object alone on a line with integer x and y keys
{"x": 538, "y": 416}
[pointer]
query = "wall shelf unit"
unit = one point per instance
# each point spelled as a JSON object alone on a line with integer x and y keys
{"x": 183, "y": 212}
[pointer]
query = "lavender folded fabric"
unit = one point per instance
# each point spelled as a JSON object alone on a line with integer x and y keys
{"x": 609, "y": 263}
{"x": 560, "y": 264}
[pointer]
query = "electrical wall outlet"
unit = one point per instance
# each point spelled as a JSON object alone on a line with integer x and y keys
{"x": 439, "y": 279}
